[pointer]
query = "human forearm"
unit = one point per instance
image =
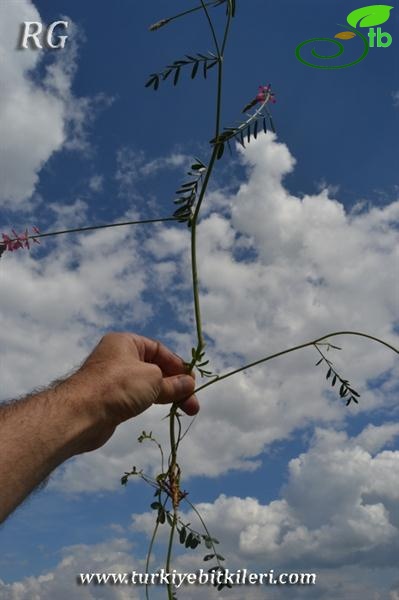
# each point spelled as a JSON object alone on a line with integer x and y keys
{"x": 123, "y": 376}
{"x": 37, "y": 434}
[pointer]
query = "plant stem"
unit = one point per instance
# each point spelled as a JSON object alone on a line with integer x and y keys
{"x": 305, "y": 345}
{"x": 172, "y": 475}
{"x": 169, "y": 555}
{"x": 174, "y": 471}
{"x": 226, "y": 34}
{"x": 188, "y": 12}
{"x": 147, "y": 563}
{"x": 193, "y": 507}
{"x": 215, "y": 39}
{"x": 194, "y": 266}
{"x": 267, "y": 358}
{"x": 94, "y": 227}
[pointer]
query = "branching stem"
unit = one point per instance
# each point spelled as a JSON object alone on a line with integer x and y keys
{"x": 95, "y": 227}
{"x": 293, "y": 349}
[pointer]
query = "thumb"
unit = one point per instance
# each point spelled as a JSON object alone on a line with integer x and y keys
{"x": 176, "y": 389}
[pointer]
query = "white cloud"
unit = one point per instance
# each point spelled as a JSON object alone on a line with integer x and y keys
{"x": 54, "y": 308}
{"x": 96, "y": 183}
{"x": 164, "y": 162}
{"x": 338, "y": 507}
{"x": 68, "y": 215}
{"x": 334, "y": 509}
{"x": 337, "y": 513}
{"x": 37, "y": 117}
{"x": 336, "y": 516}
{"x": 311, "y": 267}
{"x": 114, "y": 556}
{"x": 314, "y": 268}
{"x": 132, "y": 165}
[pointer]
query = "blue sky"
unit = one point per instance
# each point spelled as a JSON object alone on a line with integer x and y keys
{"x": 299, "y": 237}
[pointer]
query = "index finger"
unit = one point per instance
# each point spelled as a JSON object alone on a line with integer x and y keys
{"x": 153, "y": 351}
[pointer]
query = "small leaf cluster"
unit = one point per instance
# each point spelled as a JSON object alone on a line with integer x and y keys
{"x": 191, "y": 539}
{"x": 162, "y": 513}
{"x": 174, "y": 69}
{"x": 187, "y": 193}
{"x": 244, "y": 132}
{"x": 198, "y": 360}
{"x": 188, "y": 537}
{"x": 345, "y": 390}
{"x": 127, "y": 474}
{"x": 145, "y": 436}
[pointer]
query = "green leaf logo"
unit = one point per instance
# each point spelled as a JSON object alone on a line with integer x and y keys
{"x": 369, "y": 16}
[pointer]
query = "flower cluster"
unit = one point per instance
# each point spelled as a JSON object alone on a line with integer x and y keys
{"x": 18, "y": 241}
{"x": 264, "y": 94}
{"x": 265, "y": 90}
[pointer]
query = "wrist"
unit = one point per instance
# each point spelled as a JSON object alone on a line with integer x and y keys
{"x": 61, "y": 430}
{"x": 83, "y": 413}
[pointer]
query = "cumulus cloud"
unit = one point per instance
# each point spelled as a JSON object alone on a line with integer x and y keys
{"x": 335, "y": 509}
{"x": 96, "y": 183}
{"x": 53, "y": 308}
{"x": 133, "y": 165}
{"x": 39, "y": 115}
{"x": 336, "y": 516}
{"x": 114, "y": 556}
{"x": 276, "y": 270}
{"x": 289, "y": 269}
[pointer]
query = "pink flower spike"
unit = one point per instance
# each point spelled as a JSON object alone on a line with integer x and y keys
{"x": 26, "y": 239}
{"x": 7, "y": 242}
{"x": 20, "y": 240}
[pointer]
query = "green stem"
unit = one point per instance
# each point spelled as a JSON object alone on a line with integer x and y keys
{"x": 172, "y": 470}
{"x": 147, "y": 563}
{"x": 172, "y": 436}
{"x": 312, "y": 343}
{"x": 226, "y": 34}
{"x": 169, "y": 558}
{"x": 94, "y": 227}
{"x": 205, "y": 528}
{"x": 215, "y": 39}
{"x": 169, "y": 555}
{"x": 173, "y": 467}
{"x": 188, "y": 12}
{"x": 267, "y": 358}
{"x": 194, "y": 266}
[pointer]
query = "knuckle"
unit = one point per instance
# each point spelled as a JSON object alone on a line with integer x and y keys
{"x": 155, "y": 372}
{"x": 109, "y": 337}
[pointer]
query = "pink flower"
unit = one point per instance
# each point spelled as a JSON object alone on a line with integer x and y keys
{"x": 263, "y": 93}
{"x": 18, "y": 241}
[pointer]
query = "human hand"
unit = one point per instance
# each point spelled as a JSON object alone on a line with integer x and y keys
{"x": 123, "y": 376}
